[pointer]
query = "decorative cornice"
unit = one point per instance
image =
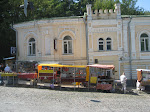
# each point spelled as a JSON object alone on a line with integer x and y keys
{"x": 46, "y": 22}
{"x": 109, "y": 53}
{"x": 107, "y": 29}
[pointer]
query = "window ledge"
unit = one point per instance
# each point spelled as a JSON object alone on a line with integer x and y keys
{"x": 103, "y": 50}
{"x": 31, "y": 55}
{"x": 145, "y": 51}
{"x": 68, "y": 54}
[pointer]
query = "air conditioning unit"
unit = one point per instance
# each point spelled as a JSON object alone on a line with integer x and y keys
{"x": 96, "y": 60}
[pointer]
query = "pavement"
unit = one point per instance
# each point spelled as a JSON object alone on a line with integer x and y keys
{"x": 45, "y": 99}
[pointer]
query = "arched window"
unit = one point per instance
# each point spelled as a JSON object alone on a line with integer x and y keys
{"x": 67, "y": 43}
{"x": 144, "y": 42}
{"x": 108, "y": 43}
{"x": 31, "y": 47}
{"x": 101, "y": 44}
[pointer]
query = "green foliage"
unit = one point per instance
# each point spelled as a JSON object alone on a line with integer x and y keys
{"x": 147, "y": 13}
{"x": 9, "y": 14}
{"x": 104, "y": 4}
{"x": 128, "y": 8}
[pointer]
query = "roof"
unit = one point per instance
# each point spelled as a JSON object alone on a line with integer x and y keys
{"x": 102, "y": 66}
{"x": 52, "y": 18}
{"x": 58, "y": 65}
{"x": 134, "y": 16}
{"x": 8, "y": 58}
{"x": 144, "y": 70}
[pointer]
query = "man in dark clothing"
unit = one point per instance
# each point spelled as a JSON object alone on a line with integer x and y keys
{"x": 58, "y": 76}
{"x": 2, "y": 70}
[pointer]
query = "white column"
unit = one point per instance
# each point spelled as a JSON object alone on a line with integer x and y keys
{"x": 132, "y": 30}
{"x": 125, "y": 37}
{"x": 89, "y": 11}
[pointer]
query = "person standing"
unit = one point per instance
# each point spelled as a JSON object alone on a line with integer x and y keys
{"x": 2, "y": 70}
{"x": 58, "y": 76}
{"x": 123, "y": 80}
{"x": 7, "y": 68}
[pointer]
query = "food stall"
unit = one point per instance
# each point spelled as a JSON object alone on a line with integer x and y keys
{"x": 100, "y": 76}
{"x": 143, "y": 78}
{"x": 73, "y": 75}
{"x": 47, "y": 72}
{"x": 61, "y": 74}
{"x": 8, "y": 76}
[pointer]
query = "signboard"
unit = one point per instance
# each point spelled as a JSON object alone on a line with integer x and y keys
{"x": 13, "y": 50}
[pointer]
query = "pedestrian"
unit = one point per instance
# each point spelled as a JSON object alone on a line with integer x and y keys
{"x": 58, "y": 76}
{"x": 2, "y": 70}
{"x": 7, "y": 69}
{"x": 123, "y": 80}
{"x": 138, "y": 83}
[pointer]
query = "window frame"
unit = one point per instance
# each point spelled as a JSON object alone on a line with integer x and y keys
{"x": 31, "y": 45}
{"x": 68, "y": 46}
{"x": 99, "y": 44}
{"x": 146, "y": 47}
{"x": 108, "y": 44}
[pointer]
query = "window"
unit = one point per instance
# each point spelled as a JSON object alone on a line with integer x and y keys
{"x": 67, "y": 42}
{"x": 144, "y": 42}
{"x": 31, "y": 47}
{"x": 101, "y": 44}
{"x": 108, "y": 43}
{"x": 108, "y": 73}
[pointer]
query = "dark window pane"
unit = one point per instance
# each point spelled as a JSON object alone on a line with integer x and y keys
{"x": 65, "y": 48}
{"x": 30, "y": 50}
{"x": 100, "y": 47}
{"x": 142, "y": 46}
{"x": 146, "y": 40}
{"x": 108, "y": 39}
{"x": 67, "y": 38}
{"x": 70, "y": 46}
{"x": 108, "y": 47}
{"x": 100, "y": 38}
{"x": 32, "y": 40}
{"x": 33, "y": 48}
{"x": 108, "y": 73}
{"x": 144, "y": 35}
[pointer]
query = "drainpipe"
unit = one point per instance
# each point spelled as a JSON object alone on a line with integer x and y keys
{"x": 86, "y": 32}
{"x": 16, "y": 46}
{"x": 130, "y": 51}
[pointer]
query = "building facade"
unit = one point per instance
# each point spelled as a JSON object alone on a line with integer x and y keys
{"x": 52, "y": 41}
{"x": 102, "y": 37}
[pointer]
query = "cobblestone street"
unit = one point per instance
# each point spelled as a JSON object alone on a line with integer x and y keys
{"x": 19, "y": 99}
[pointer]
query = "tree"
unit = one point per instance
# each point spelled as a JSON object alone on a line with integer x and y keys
{"x": 128, "y": 8}
{"x": 104, "y": 4}
{"x": 9, "y": 14}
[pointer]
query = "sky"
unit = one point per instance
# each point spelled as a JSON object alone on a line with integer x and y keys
{"x": 144, "y": 4}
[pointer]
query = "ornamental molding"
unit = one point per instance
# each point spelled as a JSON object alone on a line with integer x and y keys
{"x": 46, "y": 30}
{"x": 29, "y": 34}
{"x": 33, "y": 24}
{"x": 145, "y": 55}
{"x": 64, "y": 33}
{"x": 104, "y": 22}
{"x": 107, "y": 29}
{"x": 110, "y": 53}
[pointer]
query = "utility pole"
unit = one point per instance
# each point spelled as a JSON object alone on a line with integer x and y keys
{"x": 27, "y": 5}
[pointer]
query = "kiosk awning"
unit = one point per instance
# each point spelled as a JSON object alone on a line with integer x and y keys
{"x": 102, "y": 66}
